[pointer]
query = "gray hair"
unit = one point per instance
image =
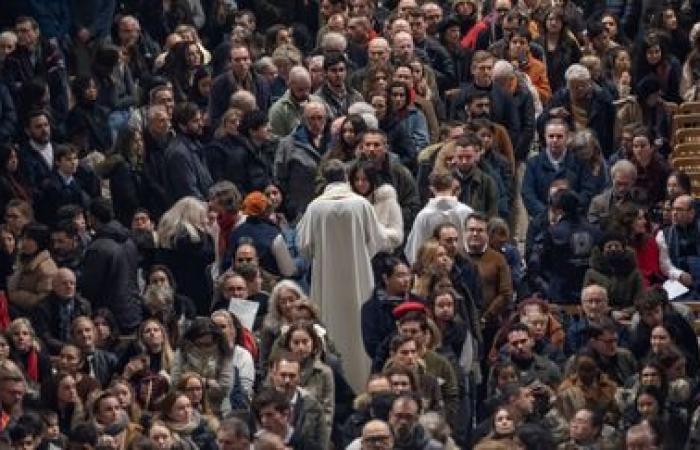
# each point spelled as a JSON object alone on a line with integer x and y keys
{"x": 264, "y": 63}
{"x": 367, "y": 112}
{"x": 334, "y": 41}
{"x": 243, "y": 100}
{"x": 155, "y": 109}
{"x": 623, "y": 166}
{"x": 502, "y": 69}
{"x": 8, "y": 35}
{"x": 577, "y": 72}
{"x": 591, "y": 288}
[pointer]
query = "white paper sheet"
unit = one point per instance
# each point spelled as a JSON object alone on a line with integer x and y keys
{"x": 245, "y": 310}
{"x": 674, "y": 289}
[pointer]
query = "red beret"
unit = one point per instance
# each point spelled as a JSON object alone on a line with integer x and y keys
{"x": 407, "y": 307}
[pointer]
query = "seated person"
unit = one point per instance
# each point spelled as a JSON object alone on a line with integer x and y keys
{"x": 594, "y": 307}
{"x": 617, "y": 363}
{"x": 544, "y": 325}
{"x": 654, "y": 310}
{"x": 532, "y": 368}
{"x": 614, "y": 267}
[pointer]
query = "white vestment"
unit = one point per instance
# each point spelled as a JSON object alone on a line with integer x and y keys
{"x": 340, "y": 233}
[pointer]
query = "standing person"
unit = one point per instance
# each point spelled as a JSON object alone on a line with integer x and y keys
{"x": 186, "y": 173}
{"x": 111, "y": 260}
{"x": 340, "y": 228}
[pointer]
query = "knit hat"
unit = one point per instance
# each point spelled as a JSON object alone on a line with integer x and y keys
{"x": 256, "y": 204}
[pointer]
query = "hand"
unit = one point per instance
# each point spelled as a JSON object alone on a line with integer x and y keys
{"x": 686, "y": 279}
{"x": 136, "y": 365}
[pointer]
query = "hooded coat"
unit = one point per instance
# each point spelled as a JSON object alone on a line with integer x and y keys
{"x": 111, "y": 260}
{"x": 620, "y": 277}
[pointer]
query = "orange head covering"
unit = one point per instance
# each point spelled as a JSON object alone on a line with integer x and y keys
{"x": 256, "y": 204}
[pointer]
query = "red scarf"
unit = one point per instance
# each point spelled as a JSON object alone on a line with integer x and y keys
{"x": 33, "y": 365}
{"x": 4, "y": 313}
{"x": 226, "y": 223}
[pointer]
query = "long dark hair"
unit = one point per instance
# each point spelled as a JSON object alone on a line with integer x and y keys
{"x": 370, "y": 171}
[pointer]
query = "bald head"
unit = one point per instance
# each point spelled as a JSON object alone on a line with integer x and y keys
{"x": 376, "y": 434}
{"x": 64, "y": 283}
{"x": 683, "y": 210}
{"x": 299, "y": 84}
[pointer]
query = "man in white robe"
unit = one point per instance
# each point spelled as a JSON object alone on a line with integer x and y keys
{"x": 340, "y": 233}
{"x": 444, "y": 207}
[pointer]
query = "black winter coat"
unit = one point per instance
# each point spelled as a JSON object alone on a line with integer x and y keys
{"x": 188, "y": 261}
{"x": 186, "y": 174}
{"x": 234, "y": 158}
{"x": 109, "y": 278}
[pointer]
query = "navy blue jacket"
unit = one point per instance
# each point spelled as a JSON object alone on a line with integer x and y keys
{"x": 186, "y": 174}
{"x": 33, "y": 168}
{"x": 601, "y": 116}
{"x": 225, "y": 85}
{"x": 539, "y": 174}
{"x": 263, "y": 233}
{"x": 8, "y": 115}
{"x": 377, "y": 320}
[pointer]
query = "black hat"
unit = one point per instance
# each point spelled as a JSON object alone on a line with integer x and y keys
{"x": 449, "y": 21}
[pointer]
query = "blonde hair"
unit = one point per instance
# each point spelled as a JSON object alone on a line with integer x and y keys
{"x": 19, "y": 322}
{"x": 167, "y": 355}
{"x": 187, "y": 214}
{"x": 427, "y": 256}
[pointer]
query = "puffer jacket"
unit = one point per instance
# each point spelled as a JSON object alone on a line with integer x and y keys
{"x": 31, "y": 282}
{"x": 622, "y": 280}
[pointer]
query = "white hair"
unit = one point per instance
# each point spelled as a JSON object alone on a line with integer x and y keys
{"x": 502, "y": 69}
{"x": 273, "y": 320}
{"x": 577, "y": 72}
{"x": 592, "y": 288}
{"x": 334, "y": 41}
{"x": 623, "y": 166}
{"x": 366, "y": 111}
{"x": 8, "y": 35}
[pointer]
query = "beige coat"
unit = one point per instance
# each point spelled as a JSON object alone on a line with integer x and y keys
{"x": 31, "y": 281}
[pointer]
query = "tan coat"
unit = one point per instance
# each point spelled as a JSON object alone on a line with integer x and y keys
{"x": 32, "y": 281}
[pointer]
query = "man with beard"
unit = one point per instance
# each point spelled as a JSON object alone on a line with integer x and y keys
{"x": 36, "y": 155}
{"x": 305, "y": 412}
{"x": 374, "y": 147}
{"x": 477, "y": 189}
{"x": 531, "y": 366}
{"x": 156, "y": 138}
{"x": 496, "y": 283}
{"x": 603, "y": 205}
{"x": 186, "y": 174}
{"x": 54, "y": 315}
{"x": 65, "y": 248}
{"x": 285, "y": 114}
{"x": 409, "y": 434}
{"x": 334, "y": 93}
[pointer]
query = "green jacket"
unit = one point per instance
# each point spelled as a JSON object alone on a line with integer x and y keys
{"x": 479, "y": 191}
{"x": 285, "y": 114}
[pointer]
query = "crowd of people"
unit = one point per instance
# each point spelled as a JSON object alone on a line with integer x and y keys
{"x": 347, "y": 224}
